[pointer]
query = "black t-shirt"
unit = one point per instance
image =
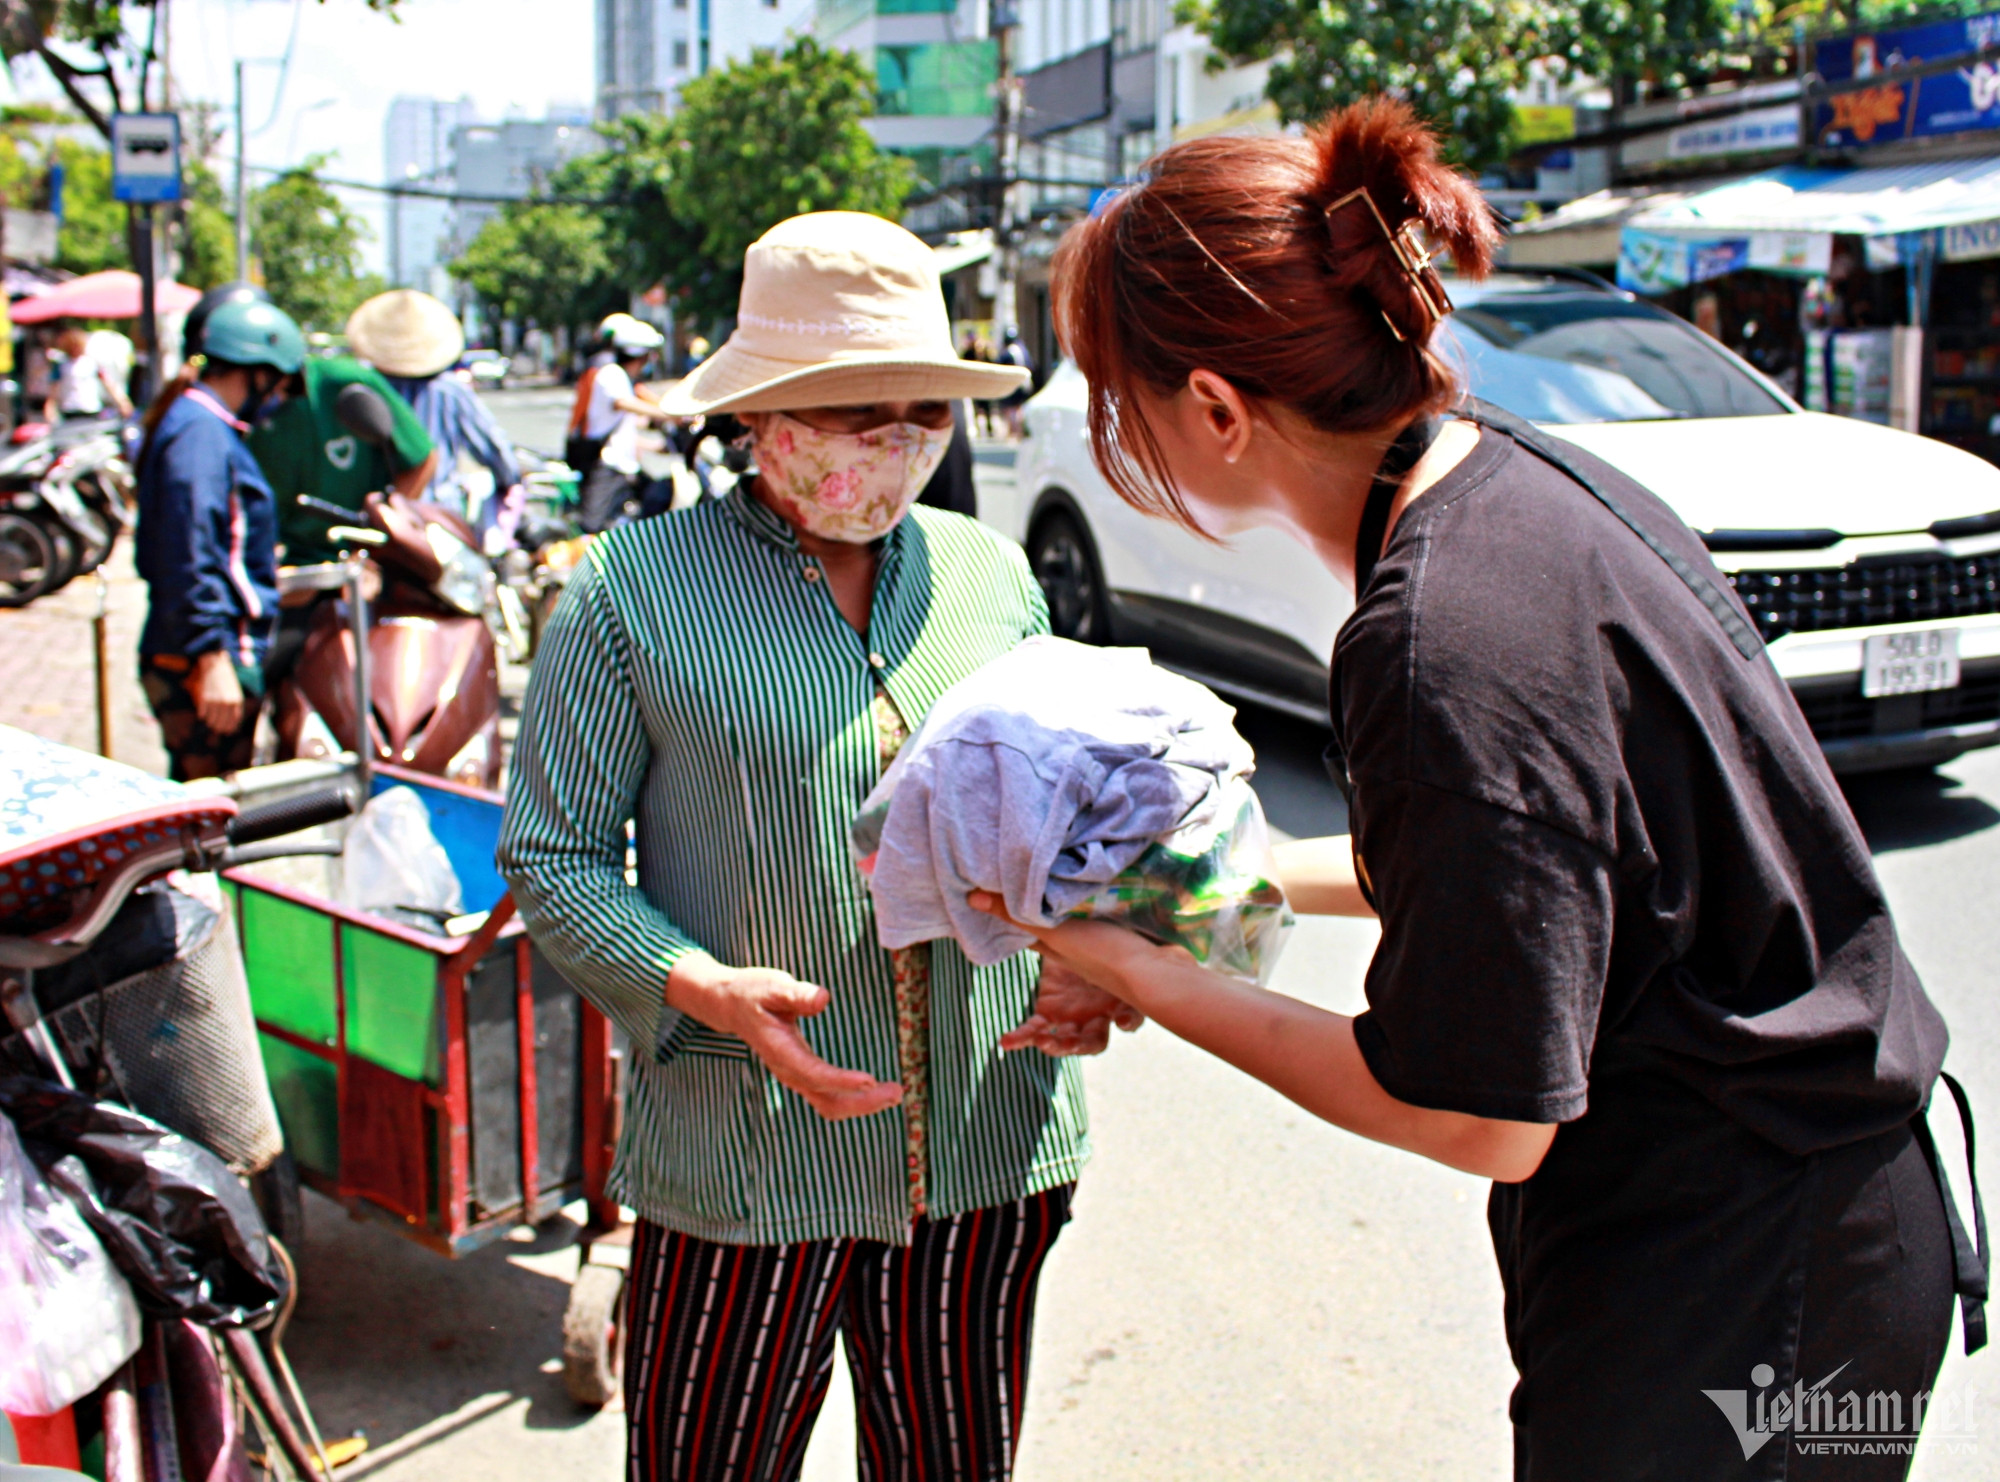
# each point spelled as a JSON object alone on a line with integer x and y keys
{"x": 1603, "y": 842}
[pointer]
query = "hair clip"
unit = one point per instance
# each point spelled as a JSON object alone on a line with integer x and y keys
{"x": 1412, "y": 256}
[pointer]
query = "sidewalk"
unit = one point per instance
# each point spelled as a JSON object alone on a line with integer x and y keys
{"x": 47, "y": 676}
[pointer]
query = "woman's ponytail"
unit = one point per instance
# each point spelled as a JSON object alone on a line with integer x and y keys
{"x": 182, "y": 382}
{"x": 1295, "y": 268}
{"x": 1387, "y": 198}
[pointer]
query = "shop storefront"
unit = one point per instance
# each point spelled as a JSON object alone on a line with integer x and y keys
{"x": 1868, "y": 292}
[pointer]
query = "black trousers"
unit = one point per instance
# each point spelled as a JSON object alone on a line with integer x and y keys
{"x": 1687, "y": 1302}
{"x": 730, "y": 1348}
{"x": 602, "y": 498}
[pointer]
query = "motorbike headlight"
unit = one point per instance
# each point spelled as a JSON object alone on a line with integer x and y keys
{"x": 467, "y": 580}
{"x": 469, "y": 766}
{"x": 316, "y": 738}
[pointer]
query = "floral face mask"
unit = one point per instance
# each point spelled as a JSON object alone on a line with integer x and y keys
{"x": 848, "y": 486}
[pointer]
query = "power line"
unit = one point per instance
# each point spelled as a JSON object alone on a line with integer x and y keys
{"x": 423, "y": 193}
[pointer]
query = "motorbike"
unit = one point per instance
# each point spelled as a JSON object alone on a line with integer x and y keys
{"x": 65, "y": 494}
{"x": 421, "y": 651}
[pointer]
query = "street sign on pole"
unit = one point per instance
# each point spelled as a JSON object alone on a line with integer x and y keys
{"x": 145, "y": 157}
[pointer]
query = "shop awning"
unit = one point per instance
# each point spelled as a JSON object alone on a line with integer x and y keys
{"x": 1582, "y": 233}
{"x": 1785, "y": 220}
{"x": 962, "y": 251}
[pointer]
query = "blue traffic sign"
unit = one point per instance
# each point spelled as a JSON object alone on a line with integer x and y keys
{"x": 145, "y": 157}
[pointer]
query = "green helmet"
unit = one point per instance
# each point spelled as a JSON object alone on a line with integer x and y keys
{"x": 254, "y": 334}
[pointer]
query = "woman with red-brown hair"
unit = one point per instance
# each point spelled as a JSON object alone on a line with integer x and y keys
{"x": 1635, "y": 964}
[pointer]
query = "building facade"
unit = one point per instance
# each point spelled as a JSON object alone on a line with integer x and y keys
{"x": 935, "y": 64}
{"x": 648, "y": 49}
{"x": 1105, "y": 84}
{"x": 509, "y": 160}
{"x": 416, "y": 153}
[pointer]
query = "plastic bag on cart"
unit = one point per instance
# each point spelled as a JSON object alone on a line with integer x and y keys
{"x": 67, "y": 1318}
{"x": 178, "y": 1223}
{"x": 393, "y": 866}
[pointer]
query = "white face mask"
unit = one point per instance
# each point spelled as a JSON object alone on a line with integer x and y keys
{"x": 848, "y": 486}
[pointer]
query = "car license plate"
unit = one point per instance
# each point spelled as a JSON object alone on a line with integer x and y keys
{"x": 1908, "y": 663}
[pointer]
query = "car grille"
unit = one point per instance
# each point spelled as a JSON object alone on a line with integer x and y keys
{"x": 1868, "y": 594}
{"x": 1843, "y": 715}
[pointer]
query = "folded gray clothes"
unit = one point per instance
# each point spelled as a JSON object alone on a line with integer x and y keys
{"x": 1039, "y": 778}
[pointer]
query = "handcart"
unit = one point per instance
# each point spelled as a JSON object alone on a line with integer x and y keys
{"x": 450, "y": 1084}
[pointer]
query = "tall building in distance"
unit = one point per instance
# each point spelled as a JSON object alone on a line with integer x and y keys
{"x": 416, "y": 152}
{"x": 647, "y": 49}
{"x": 935, "y": 64}
{"x": 431, "y": 145}
{"x": 508, "y": 160}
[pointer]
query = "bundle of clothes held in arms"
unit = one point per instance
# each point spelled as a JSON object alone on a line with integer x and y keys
{"x": 1075, "y": 782}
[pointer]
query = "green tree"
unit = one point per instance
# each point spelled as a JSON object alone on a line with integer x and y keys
{"x": 310, "y": 246}
{"x": 207, "y": 234}
{"x": 625, "y": 186}
{"x": 764, "y": 139}
{"x": 93, "y": 233}
{"x": 1457, "y": 62}
{"x": 542, "y": 261}
{"x": 675, "y": 201}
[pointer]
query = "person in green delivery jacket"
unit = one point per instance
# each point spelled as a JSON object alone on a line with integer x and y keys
{"x": 303, "y": 449}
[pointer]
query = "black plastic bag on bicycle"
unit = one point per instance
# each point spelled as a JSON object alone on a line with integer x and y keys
{"x": 178, "y": 1224}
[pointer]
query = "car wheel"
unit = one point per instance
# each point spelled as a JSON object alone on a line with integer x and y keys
{"x": 1067, "y": 568}
{"x": 29, "y": 560}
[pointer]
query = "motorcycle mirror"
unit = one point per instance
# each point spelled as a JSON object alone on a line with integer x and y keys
{"x": 363, "y": 412}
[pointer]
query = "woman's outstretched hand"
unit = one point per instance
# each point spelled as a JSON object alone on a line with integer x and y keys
{"x": 762, "y": 1007}
{"x": 1070, "y": 1017}
{"x": 1114, "y": 960}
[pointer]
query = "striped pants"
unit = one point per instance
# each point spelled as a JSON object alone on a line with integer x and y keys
{"x": 730, "y": 1348}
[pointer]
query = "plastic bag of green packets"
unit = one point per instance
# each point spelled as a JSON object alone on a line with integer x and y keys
{"x": 1211, "y": 889}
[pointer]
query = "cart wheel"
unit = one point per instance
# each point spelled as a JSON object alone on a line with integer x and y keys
{"x": 276, "y": 1190}
{"x": 591, "y": 1336}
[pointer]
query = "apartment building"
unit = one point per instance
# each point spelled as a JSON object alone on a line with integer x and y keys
{"x": 648, "y": 49}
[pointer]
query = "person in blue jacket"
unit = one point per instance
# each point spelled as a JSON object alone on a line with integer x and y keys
{"x": 207, "y": 542}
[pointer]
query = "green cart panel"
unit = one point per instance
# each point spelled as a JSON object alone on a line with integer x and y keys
{"x": 286, "y": 953}
{"x": 392, "y": 1003}
{"x": 307, "y": 1091}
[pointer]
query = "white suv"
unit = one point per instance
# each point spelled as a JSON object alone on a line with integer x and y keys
{"x": 1869, "y": 558}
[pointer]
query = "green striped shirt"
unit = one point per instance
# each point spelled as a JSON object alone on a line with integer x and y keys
{"x": 698, "y": 681}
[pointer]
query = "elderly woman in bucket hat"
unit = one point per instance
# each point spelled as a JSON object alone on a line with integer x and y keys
{"x": 821, "y": 1136}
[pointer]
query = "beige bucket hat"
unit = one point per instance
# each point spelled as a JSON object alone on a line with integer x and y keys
{"x": 406, "y": 333}
{"x": 838, "y": 308}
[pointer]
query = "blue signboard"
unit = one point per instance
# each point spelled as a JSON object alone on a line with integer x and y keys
{"x": 1952, "y": 102}
{"x": 1656, "y": 262}
{"x": 145, "y": 157}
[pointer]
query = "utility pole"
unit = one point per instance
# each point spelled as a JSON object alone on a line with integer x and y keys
{"x": 242, "y": 213}
{"x": 1007, "y": 164}
{"x": 145, "y": 250}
